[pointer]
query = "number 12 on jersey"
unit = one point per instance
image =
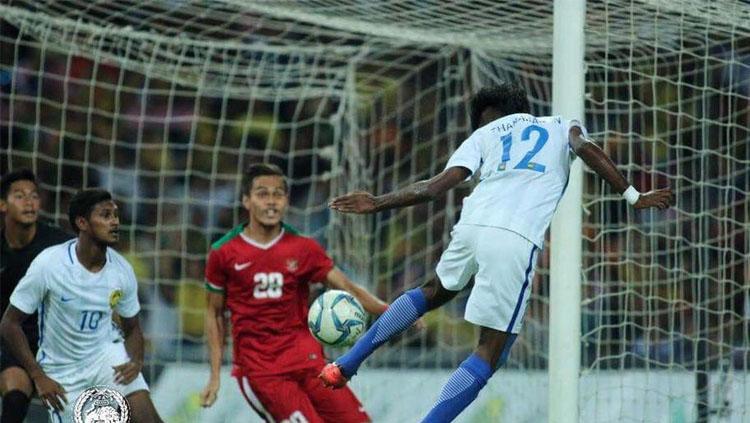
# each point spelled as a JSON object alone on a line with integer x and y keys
{"x": 526, "y": 135}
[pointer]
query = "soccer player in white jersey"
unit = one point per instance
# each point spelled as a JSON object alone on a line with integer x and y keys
{"x": 77, "y": 286}
{"x": 524, "y": 163}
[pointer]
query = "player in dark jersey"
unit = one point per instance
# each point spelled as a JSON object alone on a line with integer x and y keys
{"x": 22, "y": 237}
{"x": 261, "y": 272}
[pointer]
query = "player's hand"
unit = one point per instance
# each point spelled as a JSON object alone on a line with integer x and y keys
{"x": 659, "y": 198}
{"x": 50, "y": 392}
{"x": 359, "y": 202}
{"x": 126, "y": 373}
{"x": 208, "y": 395}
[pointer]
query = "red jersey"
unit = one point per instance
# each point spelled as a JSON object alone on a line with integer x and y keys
{"x": 267, "y": 290}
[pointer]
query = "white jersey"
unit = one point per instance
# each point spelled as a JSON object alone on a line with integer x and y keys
{"x": 524, "y": 163}
{"x": 75, "y": 305}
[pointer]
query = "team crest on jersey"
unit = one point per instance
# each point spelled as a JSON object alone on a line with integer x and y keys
{"x": 292, "y": 265}
{"x": 114, "y": 298}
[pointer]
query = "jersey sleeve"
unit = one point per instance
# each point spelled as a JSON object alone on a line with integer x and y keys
{"x": 468, "y": 154}
{"x": 216, "y": 278}
{"x": 129, "y": 306}
{"x": 31, "y": 289}
{"x": 567, "y": 124}
{"x": 317, "y": 263}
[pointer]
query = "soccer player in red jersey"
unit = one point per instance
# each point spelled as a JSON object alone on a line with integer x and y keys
{"x": 261, "y": 271}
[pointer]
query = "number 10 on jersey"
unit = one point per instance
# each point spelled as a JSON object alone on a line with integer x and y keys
{"x": 525, "y": 163}
{"x": 90, "y": 320}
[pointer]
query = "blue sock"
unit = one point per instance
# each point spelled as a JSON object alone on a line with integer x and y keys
{"x": 401, "y": 314}
{"x": 462, "y": 388}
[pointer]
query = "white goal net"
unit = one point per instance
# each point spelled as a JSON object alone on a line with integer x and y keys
{"x": 164, "y": 103}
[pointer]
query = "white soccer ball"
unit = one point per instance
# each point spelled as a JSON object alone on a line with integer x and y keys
{"x": 336, "y": 318}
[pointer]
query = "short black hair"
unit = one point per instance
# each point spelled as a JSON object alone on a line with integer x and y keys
{"x": 22, "y": 174}
{"x": 83, "y": 203}
{"x": 507, "y": 98}
{"x": 260, "y": 169}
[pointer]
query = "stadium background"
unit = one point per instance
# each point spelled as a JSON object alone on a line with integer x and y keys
{"x": 165, "y": 103}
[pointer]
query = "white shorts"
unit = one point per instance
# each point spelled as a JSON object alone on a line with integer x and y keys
{"x": 502, "y": 263}
{"x": 77, "y": 379}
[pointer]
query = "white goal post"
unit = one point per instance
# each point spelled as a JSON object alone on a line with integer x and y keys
{"x": 568, "y": 93}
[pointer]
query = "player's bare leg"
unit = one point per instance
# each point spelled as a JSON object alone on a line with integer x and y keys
{"x": 16, "y": 389}
{"x": 493, "y": 346}
{"x": 142, "y": 409}
{"x": 436, "y": 295}
{"x": 471, "y": 376}
{"x": 401, "y": 314}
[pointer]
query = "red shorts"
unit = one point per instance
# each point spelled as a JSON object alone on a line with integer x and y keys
{"x": 300, "y": 397}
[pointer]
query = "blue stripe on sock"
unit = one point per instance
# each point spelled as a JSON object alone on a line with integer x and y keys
{"x": 407, "y": 309}
{"x": 461, "y": 390}
{"x": 417, "y": 299}
{"x": 400, "y": 315}
{"x": 460, "y": 381}
{"x": 523, "y": 290}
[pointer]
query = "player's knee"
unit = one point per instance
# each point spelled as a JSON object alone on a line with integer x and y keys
{"x": 436, "y": 295}
{"x": 15, "y": 379}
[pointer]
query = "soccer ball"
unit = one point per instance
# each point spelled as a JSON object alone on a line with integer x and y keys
{"x": 336, "y": 318}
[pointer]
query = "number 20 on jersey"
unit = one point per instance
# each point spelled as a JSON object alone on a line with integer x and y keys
{"x": 268, "y": 285}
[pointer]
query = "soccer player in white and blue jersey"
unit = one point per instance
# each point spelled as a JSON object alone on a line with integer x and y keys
{"x": 524, "y": 163}
{"x": 77, "y": 286}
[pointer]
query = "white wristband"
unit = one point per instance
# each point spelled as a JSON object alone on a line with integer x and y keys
{"x": 631, "y": 195}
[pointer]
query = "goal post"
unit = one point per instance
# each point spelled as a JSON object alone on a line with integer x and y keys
{"x": 568, "y": 76}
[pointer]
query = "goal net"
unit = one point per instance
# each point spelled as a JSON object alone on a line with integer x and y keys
{"x": 164, "y": 104}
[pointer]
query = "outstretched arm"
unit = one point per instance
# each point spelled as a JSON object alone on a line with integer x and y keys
{"x": 600, "y": 163}
{"x": 361, "y": 202}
